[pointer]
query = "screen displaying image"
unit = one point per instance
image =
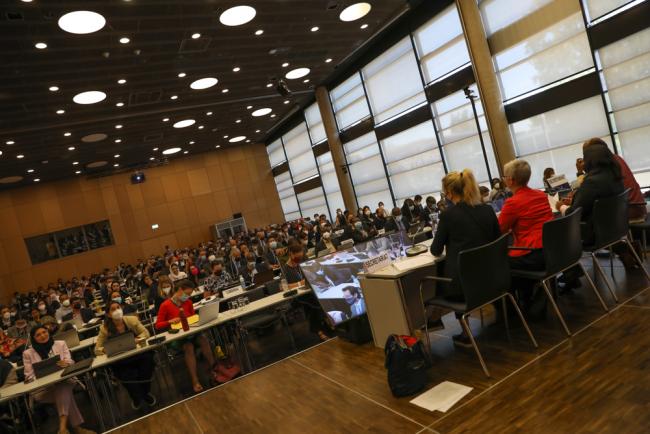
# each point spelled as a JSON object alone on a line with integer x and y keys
{"x": 334, "y": 281}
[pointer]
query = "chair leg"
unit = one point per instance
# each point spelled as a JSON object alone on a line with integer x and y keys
{"x": 521, "y": 317}
{"x": 629, "y": 246}
{"x": 604, "y": 276}
{"x": 555, "y": 307}
{"x": 611, "y": 261}
{"x": 480, "y": 311}
{"x": 426, "y": 325}
{"x": 593, "y": 286}
{"x": 466, "y": 329}
{"x": 505, "y": 316}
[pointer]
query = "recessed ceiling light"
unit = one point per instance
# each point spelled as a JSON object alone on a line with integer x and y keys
{"x": 238, "y": 121}
{"x": 77, "y": 172}
{"x": 237, "y": 15}
{"x": 74, "y": 163}
{"x": 196, "y": 35}
{"x": 306, "y": 80}
{"x": 364, "y": 26}
{"x": 10, "y": 142}
{"x": 286, "y": 101}
{"x": 248, "y": 107}
{"x": 67, "y": 134}
{"x": 171, "y": 151}
{"x": 118, "y": 140}
{"x": 116, "y": 156}
{"x": 259, "y": 32}
{"x": 208, "y": 113}
{"x": 262, "y": 112}
{"x": 60, "y": 112}
{"x": 328, "y": 60}
{"x": 214, "y": 129}
{"x": 257, "y": 131}
{"x": 82, "y": 22}
{"x": 184, "y": 123}
{"x": 273, "y": 115}
{"x": 40, "y": 45}
{"x": 185, "y": 152}
{"x": 118, "y": 126}
{"x": 54, "y": 88}
{"x": 30, "y": 170}
{"x": 269, "y": 85}
{"x": 237, "y": 139}
{"x": 37, "y": 180}
{"x": 173, "y": 97}
{"x": 224, "y": 91}
{"x": 201, "y": 127}
{"x": 71, "y": 148}
{"x": 297, "y": 73}
{"x": 121, "y": 81}
{"x": 236, "y": 69}
{"x": 248, "y": 140}
{"x": 151, "y": 158}
{"x": 90, "y": 97}
{"x": 20, "y": 156}
{"x": 314, "y": 29}
{"x": 181, "y": 75}
{"x": 191, "y": 142}
{"x": 155, "y": 149}
{"x": 119, "y": 104}
{"x": 124, "y": 40}
{"x": 116, "y": 165}
{"x": 355, "y": 11}
{"x": 165, "y": 119}
{"x": 204, "y": 83}
{"x": 285, "y": 64}
{"x": 226, "y": 136}
{"x": 218, "y": 146}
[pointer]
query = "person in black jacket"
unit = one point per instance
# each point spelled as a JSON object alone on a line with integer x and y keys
{"x": 410, "y": 215}
{"x": 467, "y": 224}
{"x": 395, "y": 223}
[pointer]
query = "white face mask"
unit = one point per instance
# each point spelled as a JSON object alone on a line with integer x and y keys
{"x": 41, "y": 307}
{"x": 117, "y": 314}
{"x": 66, "y": 303}
{"x": 166, "y": 290}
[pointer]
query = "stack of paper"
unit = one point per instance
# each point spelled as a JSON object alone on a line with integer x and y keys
{"x": 442, "y": 397}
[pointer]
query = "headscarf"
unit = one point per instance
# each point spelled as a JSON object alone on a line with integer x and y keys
{"x": 43, "y": 350}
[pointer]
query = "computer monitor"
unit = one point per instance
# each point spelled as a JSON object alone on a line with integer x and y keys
{"x": 334, "y": 281}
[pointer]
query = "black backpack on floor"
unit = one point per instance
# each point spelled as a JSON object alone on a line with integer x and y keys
{"x": 407, "y": 365}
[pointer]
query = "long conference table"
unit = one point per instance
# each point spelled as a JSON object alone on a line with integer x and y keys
{"x": 14, "y": 393}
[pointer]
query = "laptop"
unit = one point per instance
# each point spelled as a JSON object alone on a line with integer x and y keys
{"x": 47, "y": 366}
{"x": 263, "y": 276}
{"x": 71, "y": 338}
{"x": 208, "y": 313}
{"x": 119, "y": 344}
{"x": 77, "y": 367}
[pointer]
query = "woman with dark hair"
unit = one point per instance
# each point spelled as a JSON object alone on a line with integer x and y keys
{"x": 135, "y": 372}
{"x": 603, "y": 179}
{"x": 410, "y": 215}
{"x": 60, "y": 394}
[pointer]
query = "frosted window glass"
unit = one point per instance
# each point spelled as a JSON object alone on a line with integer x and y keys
{"x": 625, "y": 49}
{"x": 393, "y": 81}
{"x": 636, "y": 148}
{"x": 349, "y": 102}
{"x": 312, "y": 202}
{"x": 276, "y": 153}
{"x": 598, "y": 8}
{"x": 630, "y": 71}
{"x": 288, "y": 199}
{"x": 498, "y": 14}
{"x": 330, "y": 183}
{"x": 367, "y": 170}
{"x": 315, "y": 124}
{"x": 299, "y": 154}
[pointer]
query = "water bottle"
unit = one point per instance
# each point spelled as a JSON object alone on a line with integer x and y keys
{"x": 241, "y": 281}
{"x": 284, "y": 285}
{"x": 184, "y": 323}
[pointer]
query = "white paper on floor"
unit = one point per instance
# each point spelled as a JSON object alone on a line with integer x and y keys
{"x": 441, "y": 397}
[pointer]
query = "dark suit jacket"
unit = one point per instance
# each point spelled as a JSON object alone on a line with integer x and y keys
{"x": 597, "y": 184}
{"x": 393, "y": 226}
{"x": 321, "y": 245}
{"x": 463, "y": 227}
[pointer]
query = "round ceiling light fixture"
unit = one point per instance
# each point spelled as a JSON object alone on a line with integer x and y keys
{"x": 297, "y": 73}
{"x": 170, "y": 151}
{"x": 204, "y": 83}
{"x": 184, "y": 123}
{"x": 91, "y": 138}
{"x": 238, "y": 15}
{"x": 355, "y": 11}
{"x": 262, "y": 112}
{"x": 124, "y": 40}
{"x": 96, "y": 164}
{"x": 54, "y": 88}
{"x": 237, "y": 139}
{"x": 90, "y": 97}
{"x": 196, "y": 35}
{"x": 259, "y": 32}
{"x": 181, "y": 74}
{"x": 82, "y": 22}
{"x": 40, "y": 45}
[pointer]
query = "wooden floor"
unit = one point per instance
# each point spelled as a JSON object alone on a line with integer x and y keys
{"x": 598, "y": 381}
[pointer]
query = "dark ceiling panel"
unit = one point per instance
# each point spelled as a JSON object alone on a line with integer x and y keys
{"x": 161, "y": 47}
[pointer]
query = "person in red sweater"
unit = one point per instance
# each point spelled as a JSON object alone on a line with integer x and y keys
{"x": 169, "y": 313}
{"x": 524, "y": 214}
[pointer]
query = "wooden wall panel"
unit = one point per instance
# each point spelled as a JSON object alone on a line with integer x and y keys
{"x": 184, "y": 198}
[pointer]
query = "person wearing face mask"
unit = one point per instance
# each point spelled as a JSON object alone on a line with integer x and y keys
{"x": 380, "y": 218}
{"x": 237, "y": 263}
{"x": 79, "y": 311}
{"x": 65, "y": 309}
{"x": 61, "y": 394}
{"x": 417, "y": 201}
{"x": 20, "y": 330}
{"x": 410, "y": 216}
{"x": 291, "y": 267}
{"x": 164, "y": 292}
{"x": 395, "y": 223}
{"x": 499, "y": 192}
{"x": 368, "y": 219}
{"x": 39, "y": 314}
{"x": 327, "y": 242}
{"x": 5, "y": 322}
{"x": 169, "y": 313}
{"x": 271, "y": 256}
{"x": 175, "y": 273}
{"x": 136, "y": 372}
{"x": 219, "y": 278}
{"x": 128, "y": 309}
{"x": 359, "y": 234}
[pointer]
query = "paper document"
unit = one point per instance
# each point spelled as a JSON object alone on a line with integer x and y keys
{"x": 413, "y": 262}
{"x": 442, "y": 397}
{"x": 553, "y": 200}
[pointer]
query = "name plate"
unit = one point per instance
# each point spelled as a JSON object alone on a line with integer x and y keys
{"x": 381, "y": 231}
{"x": 233, "y": 291}
{"x": 377, "y": 263}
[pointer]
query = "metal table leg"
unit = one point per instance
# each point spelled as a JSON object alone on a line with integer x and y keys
{"x": 94, "y": 398}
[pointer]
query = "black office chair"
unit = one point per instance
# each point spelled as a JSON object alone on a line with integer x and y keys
{"x": 484, "y": 277}
{"x": 642, "y": 227}
{"x": 611, "y": 227}
{"x": 562, "y": 251}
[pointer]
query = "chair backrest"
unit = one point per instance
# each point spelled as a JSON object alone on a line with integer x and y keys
{"x": 484, "y": 272}
{"x": 562, "y": 242}
{"x": 610, "y": 219}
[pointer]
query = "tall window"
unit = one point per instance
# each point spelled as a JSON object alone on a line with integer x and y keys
{"x": 330, "y": 183}
{"x": 301, "y": 160}
{"x": 276, "y": 153}
{"x": 367, "y": 171}
{"x": 287, "y": 196}
{"x": 315, "y": 124}
{"x": 349, "y": 102}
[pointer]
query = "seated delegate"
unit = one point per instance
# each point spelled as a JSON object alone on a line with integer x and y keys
{"x": 60, "y": 394}
{"x": 169, "y": 313}
{"x": 136, "y": 372}
{"x": 468, "y": 224}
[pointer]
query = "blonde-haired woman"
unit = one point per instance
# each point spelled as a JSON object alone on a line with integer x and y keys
{"x": 466, "y": 224}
